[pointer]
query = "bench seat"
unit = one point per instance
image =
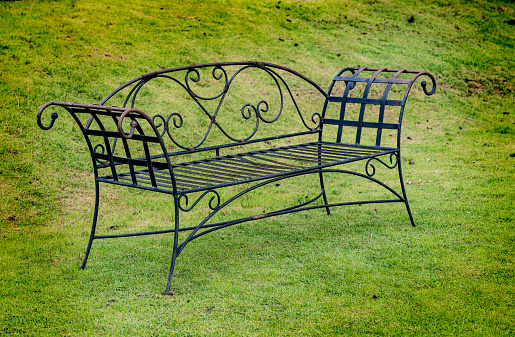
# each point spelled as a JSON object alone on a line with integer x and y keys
{"x": 217, "y": 172}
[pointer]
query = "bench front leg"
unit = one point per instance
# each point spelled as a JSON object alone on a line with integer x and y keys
{"x": 175, "y": 243}
{"x": 94, "y": 225}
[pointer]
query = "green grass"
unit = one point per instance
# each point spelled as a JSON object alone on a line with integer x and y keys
{"x": 363, "y": 270}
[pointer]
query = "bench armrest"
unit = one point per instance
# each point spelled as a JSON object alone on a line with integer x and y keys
{"x": 142, "y": 147}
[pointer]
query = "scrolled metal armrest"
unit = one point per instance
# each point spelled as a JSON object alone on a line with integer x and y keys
{"x": 424, "y": 83}
{"x": 54, "y": 116}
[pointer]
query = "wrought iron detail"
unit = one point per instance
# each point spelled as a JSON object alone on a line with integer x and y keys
{"x": 391, "y": 166}
{"x": 54, "y": 116}
{"x": 317, "y": 124}
{"x": 102, "y": 148}
{"x": 219, "y": 73}
{"x": 247, "y": 113}
{"x": 194, "y": 75}
{"x": 133, "y": 125}
{"x": 211, "y": 206}
{"x": 424, "y": 84}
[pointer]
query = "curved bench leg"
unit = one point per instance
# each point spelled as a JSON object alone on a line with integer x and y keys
{"x": 93, "y": 226}
{"x": 175, "y": 245}
{"x": 404, "y": 193}
{"x": 323, "y": 190}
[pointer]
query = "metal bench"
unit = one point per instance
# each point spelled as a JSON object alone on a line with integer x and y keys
{"x": 154, "y": 156}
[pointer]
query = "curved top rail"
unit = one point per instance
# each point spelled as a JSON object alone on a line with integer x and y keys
{"x": 148, "y": 76}
{"x": 225, "y": 73}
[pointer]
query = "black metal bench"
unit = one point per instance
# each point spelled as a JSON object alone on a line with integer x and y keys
{"x": 154, "y": 156}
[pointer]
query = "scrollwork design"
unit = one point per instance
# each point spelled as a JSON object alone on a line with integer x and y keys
{"x": 391, "y": 166}
{"x": 194, "y": 75}
{"x": 277, "y": 77}
{"x": 424, "y": 85}
{"x": 102, "y": 148}
{"x": 222, "y": 72}
{"x": 164, "y": 124}
{"x": 53, "y": 117}
{"x": 247, "y": 113}
{"x": 317, "y": 124}
{"x": 212, "y": 206}
{"x": 265, "y": 109}
{"x": 176, "y": 124}
{"x": 194, "y": 71}
{"x": 177, "y": 121}
{"x": 246, "y": 110}
{"x": 133, "y": 124}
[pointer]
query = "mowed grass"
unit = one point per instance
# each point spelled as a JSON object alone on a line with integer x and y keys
{"x": 361, "y": 271}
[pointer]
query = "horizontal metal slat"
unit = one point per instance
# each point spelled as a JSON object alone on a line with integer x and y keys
{"x": 373, "y": 101}
{"x": 376, "y": 80}
{"x": 134, "y": 161}
{"x": 115, "y": 134}
{"x": 365, "y": 124}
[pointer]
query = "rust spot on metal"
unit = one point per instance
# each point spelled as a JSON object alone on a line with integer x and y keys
{"x": 260, "y": 216}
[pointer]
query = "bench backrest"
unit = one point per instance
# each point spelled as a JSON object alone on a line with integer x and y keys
{"x": 213, "y": 106}
{"x": 362, "y": 102}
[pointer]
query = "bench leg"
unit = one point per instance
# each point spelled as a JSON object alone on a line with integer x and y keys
{"x": 93, "y": 227}
{"x": 323, "y": 194}
{"x": 404, "y": 193}
{"x": 175, "y": 245}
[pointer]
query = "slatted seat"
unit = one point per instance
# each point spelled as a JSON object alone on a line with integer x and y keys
{"x": 213, "y": 173}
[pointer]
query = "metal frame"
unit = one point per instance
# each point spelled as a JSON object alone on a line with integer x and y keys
{"x": 157, "y": 173}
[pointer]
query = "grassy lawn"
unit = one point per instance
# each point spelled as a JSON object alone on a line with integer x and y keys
{"x": 361, "y": 271}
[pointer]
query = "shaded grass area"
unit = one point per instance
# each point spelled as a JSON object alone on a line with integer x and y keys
{"x": 360, "y": 271}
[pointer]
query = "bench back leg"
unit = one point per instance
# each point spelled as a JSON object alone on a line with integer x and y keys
{"x": 404, "y": 192}
{"x": 323, "y": 192}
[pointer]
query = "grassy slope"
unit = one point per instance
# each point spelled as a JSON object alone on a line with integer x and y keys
{"x": 451, "y": 275}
